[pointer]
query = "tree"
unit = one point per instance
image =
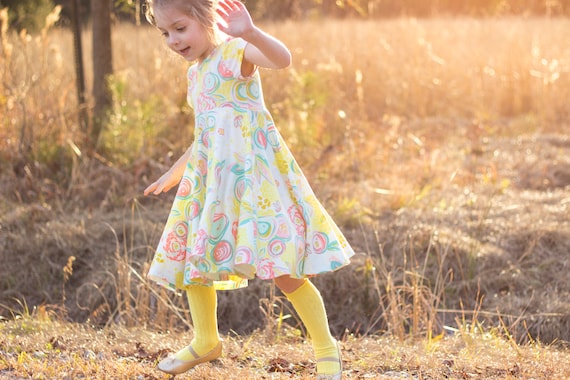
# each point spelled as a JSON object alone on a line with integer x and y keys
{"x": 102, "y": 66}
{"x": 28, "y": 14}
{"x": 79, "y": 67}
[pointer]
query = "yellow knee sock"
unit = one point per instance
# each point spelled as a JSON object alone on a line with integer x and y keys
{"x": 203, "y": 303}
{"x": 308, "y": 303}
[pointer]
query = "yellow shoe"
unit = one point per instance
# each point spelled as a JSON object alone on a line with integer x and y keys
{"x": 336, "y": 376}
{"x": 175, "y": 366}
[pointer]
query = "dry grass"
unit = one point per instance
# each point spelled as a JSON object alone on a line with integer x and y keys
{"x": 440, "y": 146}
{"x": 37, "y": 347}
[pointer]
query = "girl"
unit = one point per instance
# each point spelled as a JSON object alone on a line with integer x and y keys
{"x": 243, "y": 207}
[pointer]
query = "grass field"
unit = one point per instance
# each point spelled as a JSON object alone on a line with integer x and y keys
{"x": 440, "y": 147}
{"x": 35, "y": 348}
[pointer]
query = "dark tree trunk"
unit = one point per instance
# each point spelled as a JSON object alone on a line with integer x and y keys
{"x": 102, "y": 65}
{"x": 79, "y": 67}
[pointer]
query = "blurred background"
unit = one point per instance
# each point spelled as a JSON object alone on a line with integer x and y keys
{"x": 30, "y": 14}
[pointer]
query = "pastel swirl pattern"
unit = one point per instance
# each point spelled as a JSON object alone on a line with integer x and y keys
{"x": 243, "y": 207}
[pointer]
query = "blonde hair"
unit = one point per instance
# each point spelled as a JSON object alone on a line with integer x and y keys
{"x": 203, "y": 11}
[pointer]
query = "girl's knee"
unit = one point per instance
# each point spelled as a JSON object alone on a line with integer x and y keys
{"x": 288, "y": 284}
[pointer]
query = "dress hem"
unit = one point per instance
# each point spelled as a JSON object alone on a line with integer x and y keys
{"x": 233, "y": 281}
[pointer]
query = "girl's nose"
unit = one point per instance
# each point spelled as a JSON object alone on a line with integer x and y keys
{"x": 172, "y": 40}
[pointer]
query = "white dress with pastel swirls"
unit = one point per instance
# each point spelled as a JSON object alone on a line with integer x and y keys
{"x": 243, "y": 207}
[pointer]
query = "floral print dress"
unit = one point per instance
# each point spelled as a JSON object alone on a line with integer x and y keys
{"x": 243, "y": 207}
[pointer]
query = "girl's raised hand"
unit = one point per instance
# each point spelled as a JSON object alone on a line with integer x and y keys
{"x": 236, "y": 16}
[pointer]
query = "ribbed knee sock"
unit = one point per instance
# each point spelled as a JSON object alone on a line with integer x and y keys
{"x": 203, "y": 303}
{"x": 308, "y": 303}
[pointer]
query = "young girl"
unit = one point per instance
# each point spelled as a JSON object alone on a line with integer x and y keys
{"x": 243, "y": 207}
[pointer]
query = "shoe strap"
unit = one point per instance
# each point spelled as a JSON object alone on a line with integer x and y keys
{"x": 194, "y": 353}
{"x": 329, "y": 359}
{"x": 332, "y": 358}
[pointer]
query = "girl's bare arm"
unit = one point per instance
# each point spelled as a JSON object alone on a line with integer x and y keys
{"x": 263, "y": 49}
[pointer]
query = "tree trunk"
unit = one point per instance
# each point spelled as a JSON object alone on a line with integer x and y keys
{"x": 102, "y": 66}
{"x": 79, "y": 67}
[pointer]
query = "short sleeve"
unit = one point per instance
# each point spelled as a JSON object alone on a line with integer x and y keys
{"x": 231, "y": 58}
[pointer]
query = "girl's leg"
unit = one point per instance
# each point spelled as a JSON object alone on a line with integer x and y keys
{"x": 308, "y": 303}
{"x": 205, "y": 345}
{"x": 203, "y": 302}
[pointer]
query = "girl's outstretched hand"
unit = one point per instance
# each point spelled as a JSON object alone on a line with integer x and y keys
{"x": 166, "y": 182}
{"x": 171, "y": 178}
{"x": 236, "y": 16}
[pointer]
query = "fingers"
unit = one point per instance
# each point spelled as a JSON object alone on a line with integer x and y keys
{"x": 230, "y": 5}
{"x": 156, "y": 188}
{"x": 235, "y": 19}
{"x": 221, "y": 27}
{"x": 239, "y": 5}
{"x": 166, "y": 188}
{"x": 162, "y": 185}
{"x": 223, "y": 4}
{"x": 150, "y": 189}
{"x": 227, "y": 7}
{"x": 224, "y": 9}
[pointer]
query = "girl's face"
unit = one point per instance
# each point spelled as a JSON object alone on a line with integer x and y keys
{"x": 183, "y": 34}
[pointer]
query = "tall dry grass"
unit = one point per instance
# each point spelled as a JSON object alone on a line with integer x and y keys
{"x": 420, "y": 136}
{"x": 350, "y": 80}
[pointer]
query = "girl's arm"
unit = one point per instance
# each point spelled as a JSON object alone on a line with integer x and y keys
{"x": 263, "y": 49}
{"x": 266, "y": 51}
{"x": 171, "y": 178}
